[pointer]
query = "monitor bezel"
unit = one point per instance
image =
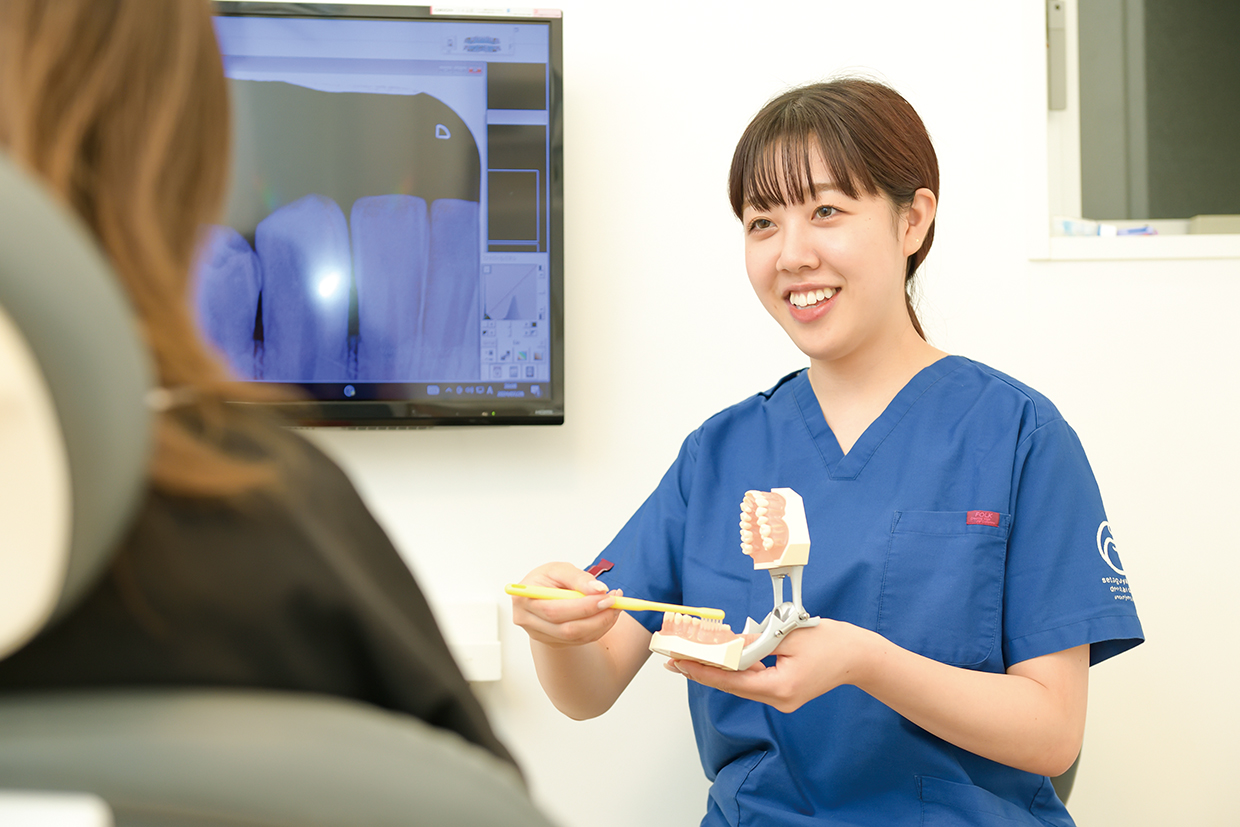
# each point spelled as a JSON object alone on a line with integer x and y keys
{"x": 462, "y": 410}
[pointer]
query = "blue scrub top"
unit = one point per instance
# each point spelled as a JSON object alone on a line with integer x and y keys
{"x": 893, "y": 550}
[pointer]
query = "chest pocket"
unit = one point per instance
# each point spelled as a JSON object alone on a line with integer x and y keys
{"x": 942, "y": 592}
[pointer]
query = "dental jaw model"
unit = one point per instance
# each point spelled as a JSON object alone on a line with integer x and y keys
{"x": 775, "y": 535}
{"x": 705, "y": 641}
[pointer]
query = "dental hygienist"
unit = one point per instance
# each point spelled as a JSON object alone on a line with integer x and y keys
{"x": 962, "y": 561}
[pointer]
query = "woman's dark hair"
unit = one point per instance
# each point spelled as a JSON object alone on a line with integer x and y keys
{"x": 869, "y": 137}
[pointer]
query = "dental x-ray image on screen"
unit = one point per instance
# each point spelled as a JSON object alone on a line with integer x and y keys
{"x": 391, "y": 247}
{"x": 370, "y": 268}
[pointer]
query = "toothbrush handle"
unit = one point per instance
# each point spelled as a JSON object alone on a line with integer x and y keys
{"x": 634, "y": 605}
{"x": 631, "y": 604}
{"x": 541, "y": 592}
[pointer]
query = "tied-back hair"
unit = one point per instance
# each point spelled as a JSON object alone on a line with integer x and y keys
{"x": 121, "y": 107}
{"x": 870, "y": 139}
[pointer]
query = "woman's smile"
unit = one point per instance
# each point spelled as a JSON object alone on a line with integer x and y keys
{"x": 809, "y": 298}
{"x": 809, "y": 305}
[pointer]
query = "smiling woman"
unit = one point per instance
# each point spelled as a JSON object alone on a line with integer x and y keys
{"x": 850, "y": 258}
{"x": 848, "y": 130}
{"x": 964, "y": 600}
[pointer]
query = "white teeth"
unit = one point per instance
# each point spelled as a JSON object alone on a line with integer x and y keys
{"x": 811, "y": 297}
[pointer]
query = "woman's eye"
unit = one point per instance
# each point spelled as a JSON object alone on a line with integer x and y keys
{"x": 759, "y": 224}
{"x": 825, "y": 211}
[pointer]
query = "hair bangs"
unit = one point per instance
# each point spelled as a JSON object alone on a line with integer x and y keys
{"x": 774, "y": 163}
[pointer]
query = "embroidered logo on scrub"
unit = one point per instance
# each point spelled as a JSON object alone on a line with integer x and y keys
{"x": 1106, "y": 547}
{"x": 990, "y": 518}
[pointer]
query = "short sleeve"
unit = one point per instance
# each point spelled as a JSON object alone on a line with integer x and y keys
{"x": 646, "y": 556}
{"x": 1065, "y": 584}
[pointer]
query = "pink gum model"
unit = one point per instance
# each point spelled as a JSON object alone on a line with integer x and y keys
{"x": 773, "y": 528}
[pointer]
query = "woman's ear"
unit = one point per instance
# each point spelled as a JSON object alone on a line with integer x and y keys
{"x": 919, "y": 215}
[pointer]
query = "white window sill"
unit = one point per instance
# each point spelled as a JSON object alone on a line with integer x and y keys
{"x": 1142, "y": 248}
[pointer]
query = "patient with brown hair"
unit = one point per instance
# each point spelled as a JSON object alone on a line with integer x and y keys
{"x": 252, "y": 562}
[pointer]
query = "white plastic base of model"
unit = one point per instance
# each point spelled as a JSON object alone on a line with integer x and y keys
{"x": 797, "y": 551}
{"x": 724, "y": 655}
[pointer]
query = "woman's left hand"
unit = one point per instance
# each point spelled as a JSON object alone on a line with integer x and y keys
{"x": 1031, "y": 717}
{"x": 809, "y": 662}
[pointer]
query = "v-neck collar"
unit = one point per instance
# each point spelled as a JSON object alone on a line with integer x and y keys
{"x": 841, "y": 466}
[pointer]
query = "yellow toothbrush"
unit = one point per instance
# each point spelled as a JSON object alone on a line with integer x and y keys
{"x": 631, "y": 604}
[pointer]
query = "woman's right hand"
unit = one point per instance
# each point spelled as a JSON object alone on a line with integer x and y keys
{"x": 570, "y": 621}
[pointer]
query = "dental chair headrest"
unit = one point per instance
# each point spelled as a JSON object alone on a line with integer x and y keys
{"x": 75, "y": 432}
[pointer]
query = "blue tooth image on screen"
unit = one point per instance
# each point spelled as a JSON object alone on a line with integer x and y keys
{"x": 451, "y": 318}
{"x": 391, "y": 234}
{"x": 228, "y": 282}
{"x": 307, "y": 284}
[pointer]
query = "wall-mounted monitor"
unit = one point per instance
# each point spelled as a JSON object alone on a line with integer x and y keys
{"x": 392, "y": 248}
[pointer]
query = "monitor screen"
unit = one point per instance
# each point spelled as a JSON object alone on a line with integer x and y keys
{"x": 392, "y": 247}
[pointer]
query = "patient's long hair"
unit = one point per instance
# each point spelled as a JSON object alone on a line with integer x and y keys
{"x": 121, "y": 106}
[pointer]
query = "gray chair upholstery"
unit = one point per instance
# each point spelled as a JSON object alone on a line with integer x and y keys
{"x": 78, "y": 329}
{"x": 250, "y": 759}
{"x": 190, "y": 757}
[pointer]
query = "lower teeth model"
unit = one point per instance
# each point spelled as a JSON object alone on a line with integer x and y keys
{"x": 774, "y": 534}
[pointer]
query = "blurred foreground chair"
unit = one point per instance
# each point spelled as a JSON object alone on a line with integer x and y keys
{"x": 74, "y": 443}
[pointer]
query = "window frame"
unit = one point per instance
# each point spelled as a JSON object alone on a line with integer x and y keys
{"x": 1056, "y": 158}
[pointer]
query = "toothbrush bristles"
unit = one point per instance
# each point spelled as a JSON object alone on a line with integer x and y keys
{"x": 701, "y": 630}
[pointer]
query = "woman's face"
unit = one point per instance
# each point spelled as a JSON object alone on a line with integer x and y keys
{"x": 831, "y": 269}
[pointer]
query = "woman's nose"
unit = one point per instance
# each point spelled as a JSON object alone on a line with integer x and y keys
{"x": 797, "y": 250}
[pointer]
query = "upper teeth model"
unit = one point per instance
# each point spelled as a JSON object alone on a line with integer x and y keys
{"x": 764, "y": 534}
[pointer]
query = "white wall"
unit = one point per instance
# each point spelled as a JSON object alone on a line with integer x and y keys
{"x": 663, "y": 331}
